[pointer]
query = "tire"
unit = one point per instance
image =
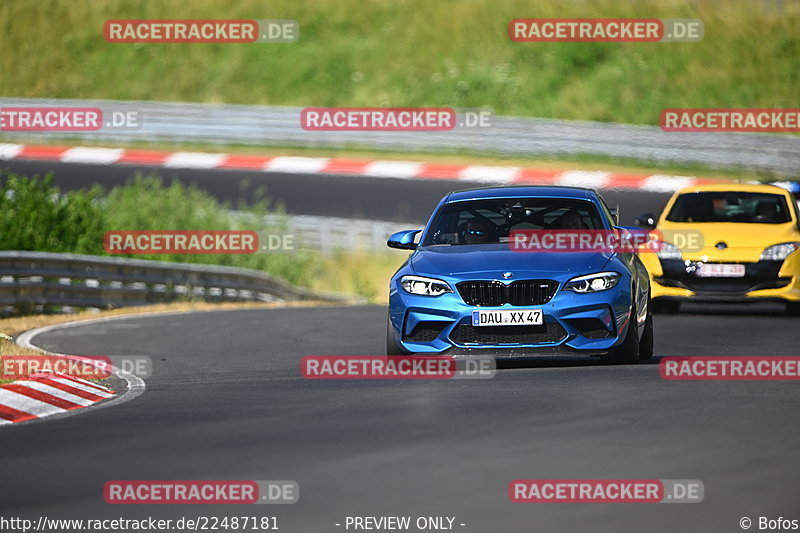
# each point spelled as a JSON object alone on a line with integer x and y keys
{"x": 626, "y": 353}
{"x": 793, "y": 308}
{"x": 646, "y": 342}
{"x": 392, "y": 348}
{"x": 665, "y": 306}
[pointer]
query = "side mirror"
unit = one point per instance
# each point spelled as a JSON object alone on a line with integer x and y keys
{"x": 647, "y": 221}
{"x": 615, "y": 215}
{"x": 403, "y": 240}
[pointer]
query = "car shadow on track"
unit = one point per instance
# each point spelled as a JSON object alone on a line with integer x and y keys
{"x": 772, "y": 309}
{"x": 561, "y": 362}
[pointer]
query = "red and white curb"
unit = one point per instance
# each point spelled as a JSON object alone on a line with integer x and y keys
{"x": 495, "y": 175}
{"x": 47, "y": 394}
{"x": 24, "y": 401}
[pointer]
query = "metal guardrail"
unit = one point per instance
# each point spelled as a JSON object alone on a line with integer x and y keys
{"x": 276, "y": 126}
{"x": 328, "y": 234}
{"x": 30, "y": 280}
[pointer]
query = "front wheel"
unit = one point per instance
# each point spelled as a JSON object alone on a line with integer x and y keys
{"x": 793, "y": 308}
{"x": 646, "y": 342}
{"x": 626, "y": 353}
{"x": 392, "y": 348}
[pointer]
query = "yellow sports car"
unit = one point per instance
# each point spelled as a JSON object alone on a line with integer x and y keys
{"x": 725, "y": 242}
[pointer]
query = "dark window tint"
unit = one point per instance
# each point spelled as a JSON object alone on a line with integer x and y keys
{"x": 490, "y": 221}
{"x": 744, "y": 207}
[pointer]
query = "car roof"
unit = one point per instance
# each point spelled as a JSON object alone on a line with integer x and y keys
{"x": 521, "y": 191}
{"x": 735, "y": 187}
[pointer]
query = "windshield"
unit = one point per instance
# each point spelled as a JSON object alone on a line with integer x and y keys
{"x": 722, "y": 206}
{"x": 490, "y": 221}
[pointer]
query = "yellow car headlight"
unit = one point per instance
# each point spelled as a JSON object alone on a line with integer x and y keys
{"x": 666, "y": 250}
{"x": 779, "y": 252}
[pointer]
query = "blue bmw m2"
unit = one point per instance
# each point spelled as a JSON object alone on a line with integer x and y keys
{"x": 465, "y": 291}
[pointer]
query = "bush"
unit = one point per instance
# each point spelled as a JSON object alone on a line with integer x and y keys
{"x": 35, "y": 215}
{"x": 39, "y": 217}
{"x": 147, "y": 204}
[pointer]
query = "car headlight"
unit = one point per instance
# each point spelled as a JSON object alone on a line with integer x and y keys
{"x": 602, "y": 281}
{"x": 666, "y": 250}
{"x": 779, "y": 252}
{"x": 424, "y": 286}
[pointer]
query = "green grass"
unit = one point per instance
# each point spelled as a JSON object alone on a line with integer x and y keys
{"x": 411, "y": 52}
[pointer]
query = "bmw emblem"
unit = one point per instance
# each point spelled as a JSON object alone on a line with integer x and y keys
{"x": 507, "y": 275}
{"x": 721, "y": 245}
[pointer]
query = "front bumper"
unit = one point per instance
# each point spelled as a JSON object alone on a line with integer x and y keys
{"x": 763, "y": 280}
{"x": 574, "y": 324}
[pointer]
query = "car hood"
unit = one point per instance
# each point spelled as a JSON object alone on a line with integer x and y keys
{"x": 492, "y": 260}
{"x": 735, "y": 235}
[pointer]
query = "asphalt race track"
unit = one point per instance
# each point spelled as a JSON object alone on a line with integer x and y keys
{"x": 226, "y": 401}
{"x": 308, "y": 194}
